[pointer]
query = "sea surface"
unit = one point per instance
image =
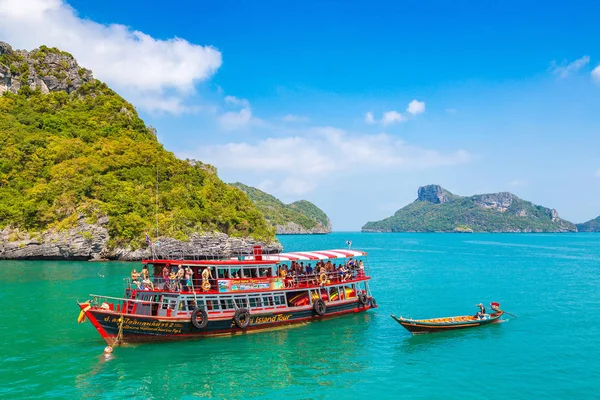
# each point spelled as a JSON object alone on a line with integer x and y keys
{"x": 551, "y": 351}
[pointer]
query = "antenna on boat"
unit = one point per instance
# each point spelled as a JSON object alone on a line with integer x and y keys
{"x": 153, "y": 248}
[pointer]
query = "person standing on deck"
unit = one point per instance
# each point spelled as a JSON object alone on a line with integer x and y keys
{"x": 165, "y": 274}
{"x": 146, "y": 278}
{"x": 188, "y": 276}
{"x": 180, "y": 278}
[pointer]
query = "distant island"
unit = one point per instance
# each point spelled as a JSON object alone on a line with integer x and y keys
{"x": 438, "y": 210}
{"x": 78, "y": 174}
{"x": 299, "y": 217}
{"x": 592, "y": 225}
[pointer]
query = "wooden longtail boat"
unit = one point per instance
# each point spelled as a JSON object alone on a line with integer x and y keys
{"x": 420, "y": 326}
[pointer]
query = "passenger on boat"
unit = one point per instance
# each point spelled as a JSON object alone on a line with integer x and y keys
{"x": 188, "y": 277}
{"x": 481, "y": 311}
{"x": 180, "y": 278}
{"x": 165, "y": 274}
{"x": 146, "y": 282}
{"x": 343, "y": 273}
{"x": 135, "y": 277}
{"x": 351, "y": 263}
{"x": 361, "y": 268}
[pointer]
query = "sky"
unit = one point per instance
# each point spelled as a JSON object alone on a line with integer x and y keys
{"x": 353, "y": 105}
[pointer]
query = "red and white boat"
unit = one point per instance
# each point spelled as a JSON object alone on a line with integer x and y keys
{"x": 231, "y": 296}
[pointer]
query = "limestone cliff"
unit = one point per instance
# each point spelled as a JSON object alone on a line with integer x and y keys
{"x": 46, "y": 69}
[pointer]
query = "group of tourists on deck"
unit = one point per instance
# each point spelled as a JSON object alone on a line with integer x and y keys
{"x": 322, "y": 273}
{"x": 175, "y": 278}
{"x": 179, "y": 278}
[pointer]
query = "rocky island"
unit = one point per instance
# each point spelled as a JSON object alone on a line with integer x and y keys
{"x": 299, "y": 217}
{"x": 592, "y": 225}
{"x": 438, "y": 210}
{"x": 78, "y": 174}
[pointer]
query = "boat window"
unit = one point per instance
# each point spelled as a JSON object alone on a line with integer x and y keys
{"x": 255, "y": 301}
{"x": 235, "y": 273}
{"x": 226, "y": 304}
{"x": 264, "y": 272}
{"x": 223, "y": 273}
{"x": 249, "y": 272}
{"x": 212, "y": 303}
{"x": 279, "y": 299}
{"x": 267, "y": 300}
{"x": 241, "y": 302}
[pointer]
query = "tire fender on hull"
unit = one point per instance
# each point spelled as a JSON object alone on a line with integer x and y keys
{"x": 319, "y": 307}
{"x": 199, "y": 323}
{"x": 241, "y": 318}
{"x": 363, "y": 299}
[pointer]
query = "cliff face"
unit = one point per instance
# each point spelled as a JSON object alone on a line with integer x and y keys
{"x": 300, "y": 217}
{"x": 46, "y": 69}
{"x": 91, "y": 242}
{"x": 78, "y": 174}
{"x": 438, "y": 210}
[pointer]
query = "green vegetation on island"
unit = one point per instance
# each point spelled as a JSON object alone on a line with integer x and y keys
{"x": 298, "y": 217}
{"x": 592, "y": 225}
{"x": 72, "y": 148}
{"x": 437, "y": 210}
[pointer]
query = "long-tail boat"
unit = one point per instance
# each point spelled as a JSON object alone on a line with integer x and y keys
{"x": 420, "y": 326}
{"x": 231, "y": 296}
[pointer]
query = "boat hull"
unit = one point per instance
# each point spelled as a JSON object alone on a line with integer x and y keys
{"x": 143, "y": 329}
{"x": 417, "y": 327}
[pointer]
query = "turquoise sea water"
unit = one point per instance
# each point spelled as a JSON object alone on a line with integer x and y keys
{"x": 552, "y": 282}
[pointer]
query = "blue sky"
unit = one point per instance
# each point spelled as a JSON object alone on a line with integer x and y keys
{"x": 353, "y": 105}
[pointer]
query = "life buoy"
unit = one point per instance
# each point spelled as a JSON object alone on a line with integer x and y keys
{"x": 206, "y": 286}
{"x": 323, "y": 278}
{"x": 201, "y": 322}
{"x": 363, "y": 299}
{"x": 373, "y": 303}
{"x": 320, "y": 307}
{"x": 241, "y": 318}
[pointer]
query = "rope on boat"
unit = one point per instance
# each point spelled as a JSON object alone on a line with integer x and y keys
{"x": 119, "y": 340}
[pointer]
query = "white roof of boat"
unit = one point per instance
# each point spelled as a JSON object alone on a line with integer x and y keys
{"x": 311, "y": 255}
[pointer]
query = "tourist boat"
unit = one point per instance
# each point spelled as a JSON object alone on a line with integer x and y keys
{"x": 419, "y": 326}
{"x": 231, "y": 296}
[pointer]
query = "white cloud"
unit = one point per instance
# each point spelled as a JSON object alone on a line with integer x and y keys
{"x": 369, "y": 119}
{"x": 392, "y": 117}
{"x": 565, "y": 68}
{"x": 597, "y": 174}
{"x": 596, "y": 74}
{"x": 298, "y": 164}
{"x": 157, "y": 73}
{"x": 294, "y": 118}
{"x": 233, "y": 120}
{"x": 416, "y": 107}
{"x": 237, "y": 101}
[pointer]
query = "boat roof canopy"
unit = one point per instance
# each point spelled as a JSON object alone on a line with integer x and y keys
{"x": 311, "y": 255}
{"x": 267, "y": 258}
